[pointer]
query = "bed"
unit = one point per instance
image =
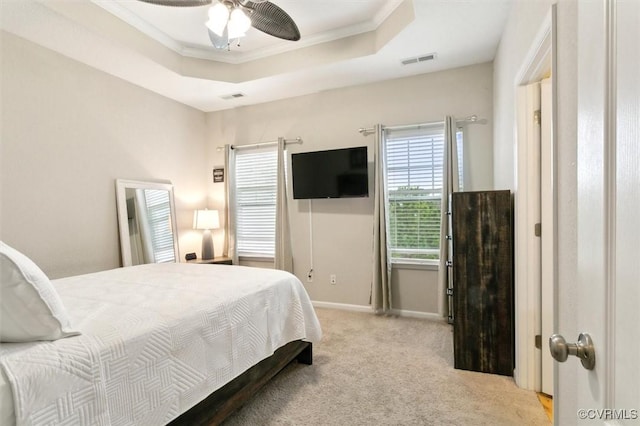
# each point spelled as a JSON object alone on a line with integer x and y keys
{"x": 159, "y": 343}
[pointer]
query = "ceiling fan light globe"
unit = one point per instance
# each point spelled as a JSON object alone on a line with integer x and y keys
{"x": 219, "y": 11}
{"x": 239, "y": 21}
{"x": 218, "y": 17}
{"x": 219, "y": 42}
{"x": 219, "y": 30}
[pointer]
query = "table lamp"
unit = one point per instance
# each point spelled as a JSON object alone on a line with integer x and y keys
{"x": 206, "y": 220}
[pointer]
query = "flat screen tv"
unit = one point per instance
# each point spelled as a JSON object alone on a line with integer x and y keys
{"x": 335, "y": 173}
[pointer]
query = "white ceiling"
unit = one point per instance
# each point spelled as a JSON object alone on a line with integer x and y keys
{"x": 343, "y": 43}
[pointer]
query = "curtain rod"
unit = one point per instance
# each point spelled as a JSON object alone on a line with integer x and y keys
{"x": 261, "y": 144}
{"x": 471, "y": 119}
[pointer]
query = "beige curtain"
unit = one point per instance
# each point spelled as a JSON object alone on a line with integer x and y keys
{"x": 381, "y": 284}
{"x": 229, "y": 248}
{"x": 283, "y": 255}
{"x": 449, "y": 184}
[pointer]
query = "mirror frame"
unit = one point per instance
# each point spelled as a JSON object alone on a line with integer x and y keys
{"x": 123, "y": 224}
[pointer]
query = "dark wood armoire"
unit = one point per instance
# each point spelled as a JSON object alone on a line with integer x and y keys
{"x": 482, "y": 284}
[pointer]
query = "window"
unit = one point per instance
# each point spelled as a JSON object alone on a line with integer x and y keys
{"x": 159, "y": 214}
{"x": 256, "y": 186}
{"x": 414, "y": 162}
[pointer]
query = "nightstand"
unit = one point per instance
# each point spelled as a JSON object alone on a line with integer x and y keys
{"x": 216, "y": 260}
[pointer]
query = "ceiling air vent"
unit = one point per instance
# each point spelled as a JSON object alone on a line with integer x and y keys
{"x": 421, "y": 58}
{"x": 233, "y": 96}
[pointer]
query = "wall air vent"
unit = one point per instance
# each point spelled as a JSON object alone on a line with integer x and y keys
{"x": 233, "y": 96}
{"x": 421, "y": 58}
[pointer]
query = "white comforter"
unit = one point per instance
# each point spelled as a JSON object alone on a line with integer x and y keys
{"x": 156, "y": 339}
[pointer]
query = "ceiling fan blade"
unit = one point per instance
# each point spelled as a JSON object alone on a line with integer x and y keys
{"x": 270, "y": 19}
{"x": 184, "y": 3}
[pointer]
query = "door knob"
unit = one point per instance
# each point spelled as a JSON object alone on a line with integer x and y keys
{"x": 560, "y": 349}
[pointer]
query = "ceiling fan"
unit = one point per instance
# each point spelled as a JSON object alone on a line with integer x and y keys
{"x": 230, "y": 19}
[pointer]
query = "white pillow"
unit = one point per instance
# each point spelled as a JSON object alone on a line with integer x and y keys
{"x": 30, "y": 308}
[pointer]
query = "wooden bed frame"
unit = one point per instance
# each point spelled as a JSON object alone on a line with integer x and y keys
{"x": 221, "y": 403}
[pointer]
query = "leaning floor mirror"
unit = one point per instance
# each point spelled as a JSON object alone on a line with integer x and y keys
{"x": 147, "y": 222}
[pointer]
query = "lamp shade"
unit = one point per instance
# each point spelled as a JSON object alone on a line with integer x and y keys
{"x": 206, "y": 219}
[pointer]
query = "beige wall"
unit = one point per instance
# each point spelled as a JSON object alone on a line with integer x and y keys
{"x": 68, "y": 131}
{"x": 525, "y": 19}
{"x": 342, "y": 228}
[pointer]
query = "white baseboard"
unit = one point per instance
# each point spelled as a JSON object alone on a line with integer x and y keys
{"x": 417, "y": 314}
{"x": 369, "y": 309}
{"x": 342, "y": 306}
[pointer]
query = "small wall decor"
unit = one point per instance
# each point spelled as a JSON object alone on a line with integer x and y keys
{"x": 218, "y": 174}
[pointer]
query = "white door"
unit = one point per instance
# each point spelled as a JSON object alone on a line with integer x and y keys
{"x": 605, "y": 301}
{"x": 536, "y": 207}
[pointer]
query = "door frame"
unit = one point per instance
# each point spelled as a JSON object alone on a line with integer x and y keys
{"x": 537, "y": 64}
{"x": 548, "y": 251}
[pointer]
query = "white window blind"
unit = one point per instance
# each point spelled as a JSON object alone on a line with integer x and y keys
{"x": 414, "y": 167}
{"x": 159, "y": 215}
{"x": 256, "y": 186}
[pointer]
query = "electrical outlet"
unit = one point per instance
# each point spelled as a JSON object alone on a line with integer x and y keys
{"x": 332, "y": 279}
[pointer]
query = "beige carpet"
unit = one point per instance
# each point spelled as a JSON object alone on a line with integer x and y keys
{"x": 376, "y": 370}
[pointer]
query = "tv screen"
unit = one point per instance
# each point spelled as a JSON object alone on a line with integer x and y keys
{"x": 336, "y": 173}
